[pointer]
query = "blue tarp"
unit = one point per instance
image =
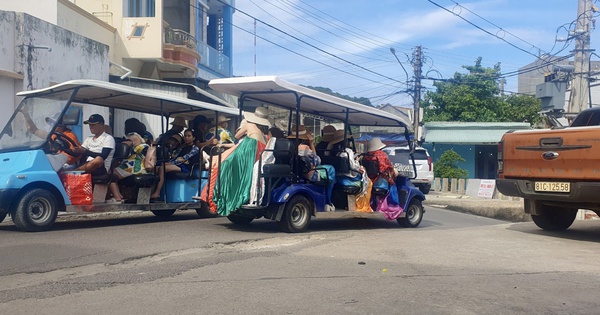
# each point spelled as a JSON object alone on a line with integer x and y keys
{"x": 387, "y": 138}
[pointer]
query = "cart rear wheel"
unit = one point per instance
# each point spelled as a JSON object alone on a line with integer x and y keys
{"x": 163, "y": 213}
{"x": 554, "y": 218}
{"x": 204, "y": 212}
{"x": 296, "y": 216}
{"x": 414, "y": 214}
{"x": 36, "y": 211}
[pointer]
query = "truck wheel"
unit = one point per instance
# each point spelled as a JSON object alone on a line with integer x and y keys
{"x": 554, "y": 218}
{"x": 425, "y": 189}
{"x": 163, "y": 213}
{"x": 2, "y": 216}
{"x": 414, "y": 214}
{"x": 36, "y": 211}
{"x": 239, "y": 219}
{"x": 296, "y": 215}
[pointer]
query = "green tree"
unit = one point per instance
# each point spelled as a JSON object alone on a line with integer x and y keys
{"x": 446, "y": 166}
{"x": 475, "y": 97}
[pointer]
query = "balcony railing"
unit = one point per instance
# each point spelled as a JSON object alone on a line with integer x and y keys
{"x": 214, "y": 60}
{"x": 180, "y": 38}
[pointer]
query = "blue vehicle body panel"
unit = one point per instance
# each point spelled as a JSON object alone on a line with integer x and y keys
{"x": 314, "y": 192}
{"x": 21, "y": 168}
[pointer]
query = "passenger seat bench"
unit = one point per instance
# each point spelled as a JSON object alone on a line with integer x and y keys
{"x": 342, "y": 166}
{"x": 284, "y": 152}
{"x": 100, "y": 182}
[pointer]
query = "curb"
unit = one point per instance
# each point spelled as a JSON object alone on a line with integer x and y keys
{"x": 507, "y": 210}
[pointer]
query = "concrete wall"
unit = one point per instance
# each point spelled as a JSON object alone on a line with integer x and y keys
{"x": 72, "y": 56}
{"x": 25, "y": 67}
{"x": 45, "y": 9}
{"x": 78, "y": 20}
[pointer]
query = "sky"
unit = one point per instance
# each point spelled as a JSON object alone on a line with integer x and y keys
{"x": 345, "y": 44}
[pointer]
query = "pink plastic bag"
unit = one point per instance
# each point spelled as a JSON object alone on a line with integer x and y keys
{"x": 389, "y": 210}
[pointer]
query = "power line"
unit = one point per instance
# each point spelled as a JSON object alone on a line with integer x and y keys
{"x": 484, "y": 30}
{"x": 314, "y": 47}
{"x": 499, "y": 27}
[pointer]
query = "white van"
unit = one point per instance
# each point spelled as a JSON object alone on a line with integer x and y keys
{"x": 424, "y": 165}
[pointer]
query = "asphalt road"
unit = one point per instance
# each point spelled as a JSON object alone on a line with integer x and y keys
{"x": 454, "y": 263}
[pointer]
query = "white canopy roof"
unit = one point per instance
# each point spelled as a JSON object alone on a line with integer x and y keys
{"x": 130, "y": 98}
{"x": 272, "y": 90}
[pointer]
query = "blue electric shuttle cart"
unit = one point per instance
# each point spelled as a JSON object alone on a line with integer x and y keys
{"x": 289, "y": 199}
{"x": 31, "y": 191}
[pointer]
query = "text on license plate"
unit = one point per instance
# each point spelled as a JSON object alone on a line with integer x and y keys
{"x": 553, "y": 186}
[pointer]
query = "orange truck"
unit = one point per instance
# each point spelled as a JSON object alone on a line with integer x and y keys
{"x": 555, "y": 171}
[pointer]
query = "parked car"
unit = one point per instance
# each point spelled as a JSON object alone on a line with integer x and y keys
{"x": 400, "y": 157}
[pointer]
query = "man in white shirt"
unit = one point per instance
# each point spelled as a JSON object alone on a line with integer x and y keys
{"x": 98, "y": 149}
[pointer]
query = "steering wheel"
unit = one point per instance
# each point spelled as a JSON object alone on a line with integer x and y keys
{"x": 60, "y": 145}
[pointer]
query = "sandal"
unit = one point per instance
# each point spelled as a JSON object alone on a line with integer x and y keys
{"x": 113, "y": 201}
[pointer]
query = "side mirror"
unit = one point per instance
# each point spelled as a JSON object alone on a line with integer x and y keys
{"x": 72, "y": 115}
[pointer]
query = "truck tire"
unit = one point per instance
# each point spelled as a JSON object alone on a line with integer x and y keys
{"x": 36, "y": 211}
{"x": 239, "y": 219}
{"x": 554, "y": 218}
{"x": 425, "y": 189}
{"x": 414, "y": 214}
{"x": 296, "y": 216}
{"x": 2, "y": 216}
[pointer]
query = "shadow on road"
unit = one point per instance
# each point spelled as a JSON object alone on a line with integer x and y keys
{"x": 321, "y": 225}
{"x": 586, "y": 231}
{"x": 77, "y": 222}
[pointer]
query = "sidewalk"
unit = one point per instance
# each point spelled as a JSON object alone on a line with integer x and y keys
{"x": 509, "y": 210}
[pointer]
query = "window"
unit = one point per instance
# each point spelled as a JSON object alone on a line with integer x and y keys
{"x": 138, "y": 8}
{"x": 138, "y": 31}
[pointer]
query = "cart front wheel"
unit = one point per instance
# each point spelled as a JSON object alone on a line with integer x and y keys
{"x": 414, "y": 214}
{"x": 239, "y": 219}
{"x": 36, "y": 211}
{"x": 296, "y": 216}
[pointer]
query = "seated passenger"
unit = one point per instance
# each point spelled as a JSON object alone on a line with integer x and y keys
{"x": 177, "y": 126}
{"x": 72, "y": 157}
{"x": 173, "y": 145}
{"x": 220, "y": 132}
{"x": 327, "y": 135}
{"x": 183, "y": 162}
{"x": 274, "y": 132}
{"x": 386, "y": 169}
{"x": 134, "y": 125}
{"x": 97, "y": 149}
{"x": 200, "y": 127}
{"x": 235, "y": 173}
{"x": 338, "y": 146}
{"x": 313, "y": 170}
{"x": 134, "y": 164}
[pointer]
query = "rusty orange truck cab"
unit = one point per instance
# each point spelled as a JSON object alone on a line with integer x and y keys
{"x": 556, "y": 171}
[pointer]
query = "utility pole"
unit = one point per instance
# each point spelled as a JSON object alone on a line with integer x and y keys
{"x": 417, "y": 67}
{"x": 580, "y": 85}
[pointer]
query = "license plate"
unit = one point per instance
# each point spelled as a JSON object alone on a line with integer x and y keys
{"x": 553, "y": 186}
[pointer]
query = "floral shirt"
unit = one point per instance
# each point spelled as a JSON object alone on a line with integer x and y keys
{"x": 135, "y": 162}
{"x": 386, "y": 169}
